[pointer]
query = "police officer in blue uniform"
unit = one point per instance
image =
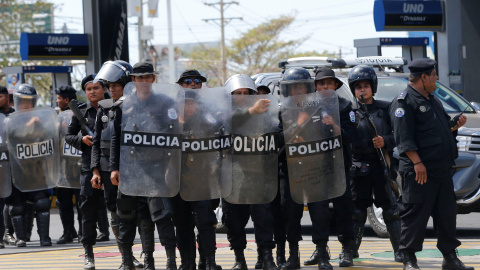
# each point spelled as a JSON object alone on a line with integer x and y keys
{"x": 6, "y": 110}
{"x": 191, "y": 214}
{"x": 343, "y": 207}
{"x": 115, "y": 74}
{"x": 64, "y": 195}
{"x": 367, "y": 171}
{"x": 425, "y": 137}
{"x": 89, "y": 197}
{"x": 144, "y": 211}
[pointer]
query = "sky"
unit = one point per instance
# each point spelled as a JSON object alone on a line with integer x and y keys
{"x": 330, "y": 25}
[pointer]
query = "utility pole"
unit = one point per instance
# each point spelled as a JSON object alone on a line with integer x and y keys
{"x": 223, "y": 21}
{"x": 140, "y": 41}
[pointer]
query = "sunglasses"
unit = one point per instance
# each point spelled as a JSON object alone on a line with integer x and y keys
{"x": 189, "y": 81}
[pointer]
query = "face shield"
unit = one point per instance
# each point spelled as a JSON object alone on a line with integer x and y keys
{"x": 295, "y": 88}
{"x": 24, "y": 102}
{"x": 111, "y": 72}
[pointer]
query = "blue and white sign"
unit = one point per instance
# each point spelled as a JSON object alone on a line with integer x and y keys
{"x": 408, "y": 15}
{"x": 53, "y": 46}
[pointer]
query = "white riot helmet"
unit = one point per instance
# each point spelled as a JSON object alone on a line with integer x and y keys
{"x": 239, "y": 81}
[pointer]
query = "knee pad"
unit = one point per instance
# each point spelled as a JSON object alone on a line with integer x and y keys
{"x": 42, "y": 205}
{"x": 391, "y": 214}
{"x": 17, "y": 210}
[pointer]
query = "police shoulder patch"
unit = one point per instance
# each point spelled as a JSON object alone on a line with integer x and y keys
{"x": 104, "y": 119}
{"x": 402, "y": 94}
{"x": 172, "y": 113}
{"x": 352, "y": 116}
{"x": 399, "y": 112}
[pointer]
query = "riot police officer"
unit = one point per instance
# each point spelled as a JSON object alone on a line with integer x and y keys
{"x": 144, "y": 211}
{"x": 425, "y": 137}
{"x": 89, "y": 197}
{"x": 343, "y": 208}
{"x": 64, "y": 195}
{"x": 236, "y": 215}
{"x": 6, "y": 110}
{"x": 191, "y": 214}
{"x": 115, "y": 74}
{"x": 369, "y": 173}
{"x": 25, "y": 97}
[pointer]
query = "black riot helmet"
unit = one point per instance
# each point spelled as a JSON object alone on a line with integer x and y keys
{"x": 117, "y": 71}
{"x": 25, "y": 97}
{"x": 362, "y": 73}
{"x": 296, "y": 78}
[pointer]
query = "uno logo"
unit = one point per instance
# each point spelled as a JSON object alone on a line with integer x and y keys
{"x": 413, "y": 8}
{"x": 52, "y": 40}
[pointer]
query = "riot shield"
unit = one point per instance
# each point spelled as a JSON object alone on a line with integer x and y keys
{"x": 255, "y": 150}
{"x": 5, "y": 176}
{"x": 313, "y": 146}
{"x": 206, "y": 155}
{"x": 70, "y": 158}
{"x": 151, "y": 138}
{"x": 33, "y": 146}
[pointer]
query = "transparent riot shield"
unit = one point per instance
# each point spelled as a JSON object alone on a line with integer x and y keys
{"x": 313, "y": 146}
{"x": 206, "y": 155}
{"x": 70, "y": 158}
{"x": 255, "y": 150}
{"x": 151, "y": 139}
{"x": 33, "y": 146}
{"x": 5, "y": 176}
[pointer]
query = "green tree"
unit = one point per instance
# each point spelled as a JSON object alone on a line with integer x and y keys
{"x": 258, "y": 50}
{"x": 17, "y": 16}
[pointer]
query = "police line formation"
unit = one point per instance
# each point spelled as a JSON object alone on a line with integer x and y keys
{"x": 165, "y": 155}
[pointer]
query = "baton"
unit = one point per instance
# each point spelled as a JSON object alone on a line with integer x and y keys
{"x": 73, "y": 105}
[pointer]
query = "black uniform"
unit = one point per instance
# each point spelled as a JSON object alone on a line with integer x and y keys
{"x": 422, "y": 125}
{"x": 64, "y": 204}
{"x": 199, "y": 214}
{"x": 89, "y": 197}
{"x": 367, "y": 171}
{"x": 236, "y": 216}
{"x": 142, "y": 210}
{"x": 3, "y": 222}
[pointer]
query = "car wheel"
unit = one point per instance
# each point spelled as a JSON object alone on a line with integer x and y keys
{"x": 375, "y": 218}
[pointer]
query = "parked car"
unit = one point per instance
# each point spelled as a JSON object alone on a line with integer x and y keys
{"x": 391, "y": 80}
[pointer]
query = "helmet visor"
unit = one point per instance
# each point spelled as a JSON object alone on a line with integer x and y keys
{"x": 110, "y": 72}
{"x": 294, "y": 88}
{"x": 24, "y": 102}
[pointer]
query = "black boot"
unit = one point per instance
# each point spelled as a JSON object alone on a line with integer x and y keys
{"x": 43, "y": 228}
{"x": 19, "y": 227}
{"x": 452, "y": 262}
{"x": 293, "y": 261}
{"x": 68, "y": 222}
{"x": 171, "y": 258}
{"x": 29, "y": 217}
{"x": 148, "y": 261}
{"x": 280, "y": 254}
{"x": 393, "y": 228}
{"x": 267, "y": 258}
{"x": 210, "y": 263}
{"x": 313, "y": 259}
{"x": 240, "y": 263}
{"x": 409, "y": 261}
{"x": 9, "y": 239}
{"x": 259, "y": 263}
{"x": 187, "y": 259}
{"x": 346, "y": 257}
{"x": 324, "y": 257}
{"x": 114, "y": 223}
{"x": 89, "y": 258}
{"x": 359, "y": 219}
{"x": 127, "y": 258}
